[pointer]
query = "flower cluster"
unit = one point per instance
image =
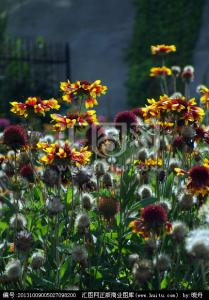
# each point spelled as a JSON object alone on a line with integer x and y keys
{"x": 65, "y": 154}
{"x": 88, "y": 91}
{"x": 74, "y": 119}
{"x": 173, "y": 109}
{"x": 35, "y": 105}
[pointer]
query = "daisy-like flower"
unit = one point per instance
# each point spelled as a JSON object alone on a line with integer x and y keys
{"x": 163, "y": 49}
{"x": 90, "y": 91}
{"x": 198, "y": 179}
{"x": 148, "y": 163}
{"x": 35, "y": 105}
{"x": 74, "y": 119}
{"x": 66, "y": 154}
{"x": 172, "y": 109}
{"x": 153, "y": 219}
{"x": 204, "y": 91}
{"x": 160, "y": 71}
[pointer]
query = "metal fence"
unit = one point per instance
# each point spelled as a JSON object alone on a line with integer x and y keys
{"x": 32, "y": 68}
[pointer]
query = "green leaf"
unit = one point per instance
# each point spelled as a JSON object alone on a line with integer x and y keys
{"x": 9, "y": 204}
{"x": 164, "y": 283}
{"x": 147, "y": 201}
{"x": 69, "y": 195}
{"x": 168, "y": 185}
{"x": 37, "y": 194}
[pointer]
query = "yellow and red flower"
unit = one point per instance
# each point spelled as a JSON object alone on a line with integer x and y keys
{"x": 160, "y": 71}
{"x": 74, "y": 119}
{"x": 90, "y": 91}
{"x": 148, "y": 163}
{"x": 189, "y": 112}
{"x": 35, "y": 104}
{"x": 64, "y": 154}
{"x": 204, "y": 91}
{"x": 163, "y": 49}
{"x": 153, "y": 220}
{"x": 198, "y": 179}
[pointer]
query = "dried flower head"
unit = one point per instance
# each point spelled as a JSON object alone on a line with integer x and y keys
{"x": 179, "y": 231}
{"x": 100, "y": 168}
{"x": 166, "y": 205}
{"x": 188, "y": 74}
{"x": 13, "y": 270}
{"x": 107, "y": 180}
{"x": 24, "y": 241}
{"x": 37, "y": 260}
{"x": 15, "y": 137}
{"x": 51, "y": 176}
{"x": 142, "y": 271}
{"x": 79, "y": 255}
{"x": 54, "y": 205}
{"x": 108, "y": 207}
{"x": 87, "y": 201}
{"x": 186, "y": 200}
{"x": 82, "y": 222}
{"x": 145, "y": 191}
{"x": 27, "y": 173}
{"x": 197, "y": 243}
{"x": 176, "y": 70}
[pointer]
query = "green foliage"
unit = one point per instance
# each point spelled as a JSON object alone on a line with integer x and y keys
{"x": 160, "y": 22}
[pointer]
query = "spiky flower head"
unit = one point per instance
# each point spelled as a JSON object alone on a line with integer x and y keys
{"x": 27, "y": 173}
{"x": 54, "y": 205}
{"x": 145, "y": 191}
{"x": 166, "y": 205}
{"x": 100, "y": 168}
{"x": 87, "y": 201}
{"x": 174, "y": 163}
{"x": 154, "y": 216}
{"x": 126, "y": 118}
{"x": 13, "y": 270}
{"x": 107, "y": 180}
{"x": 197, "y": 243}
{"x": 176, "y": 70}
{"x": 51, "y": 176}
{"x": 108, "y": 206}
{"x": 24, "y": 241}
{"x": 186, "y": 199}
{"x": 79, "y": 255}
{"x": 82, "y": 222}
{"x": 15, "y": 137}
{"x": 37, "y": 260}
{"x": 142, "y": 271}
{"x": 179, "y": 231}
{"x": 188, "y": 74}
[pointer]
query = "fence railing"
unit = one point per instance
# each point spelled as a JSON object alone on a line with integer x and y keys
{"x": 30, "y": 68}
